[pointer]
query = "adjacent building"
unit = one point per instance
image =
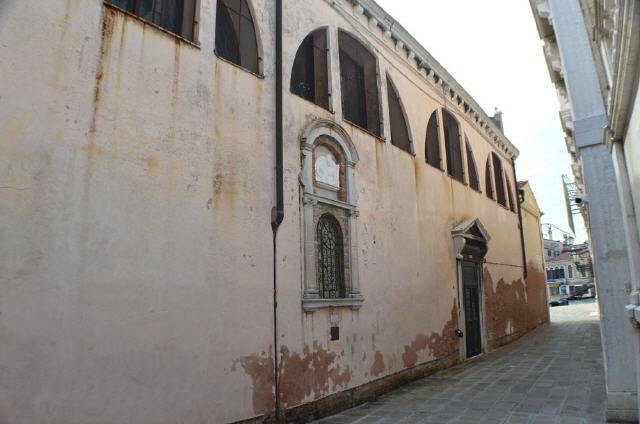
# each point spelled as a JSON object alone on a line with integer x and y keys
{"x": 592, "y": 49}
{"x": 534, "y": 243}
{"x": 216, "y": 210}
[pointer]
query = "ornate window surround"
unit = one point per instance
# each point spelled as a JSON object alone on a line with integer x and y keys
{"x": 311, "y": 300}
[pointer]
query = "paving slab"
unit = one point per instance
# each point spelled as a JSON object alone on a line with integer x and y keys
{"x": 553, "y": 375}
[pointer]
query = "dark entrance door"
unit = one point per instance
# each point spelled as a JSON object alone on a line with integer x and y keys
{"x": 471, "y": 287}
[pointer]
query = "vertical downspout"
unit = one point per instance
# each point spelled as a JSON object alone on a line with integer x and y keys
{"x": 524, "y": 253}
{"x": 277, "y": 213}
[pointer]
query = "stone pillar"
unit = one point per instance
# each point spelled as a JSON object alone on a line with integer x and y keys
{"x": 613, "y": 282}
{"x": 607, "y": 230}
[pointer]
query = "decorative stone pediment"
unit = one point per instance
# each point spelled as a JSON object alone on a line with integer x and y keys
{"x": 470, "y": 240}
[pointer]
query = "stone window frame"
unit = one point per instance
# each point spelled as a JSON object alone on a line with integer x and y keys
{"x": 322, "y": 129}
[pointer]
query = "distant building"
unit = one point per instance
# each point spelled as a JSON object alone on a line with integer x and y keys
{"x": 568, "y": 269}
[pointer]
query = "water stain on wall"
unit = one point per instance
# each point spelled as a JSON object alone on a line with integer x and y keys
{"x": 106, "y": 35}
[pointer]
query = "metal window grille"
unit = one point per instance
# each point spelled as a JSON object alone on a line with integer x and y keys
{"x": 330, "y": 258}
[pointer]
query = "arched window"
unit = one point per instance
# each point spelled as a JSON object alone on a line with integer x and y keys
{"x": 488, "y": 184}
{"x": 452, "y": 146}
{"x": 177, "y": 17}
{"x": 330, "y": 258}
{"x": 236, "y": 34}
{"x": 309, "y": 76}
{"x": 474, "y": 182}
{"x": 359, "y": 83}
{"x": 498, "y": 177}
{"x": 399, "y": 127}
{"x": 329, "y": 203}
{"x": 432, "y": 143}
{"x": 512, "y": 206}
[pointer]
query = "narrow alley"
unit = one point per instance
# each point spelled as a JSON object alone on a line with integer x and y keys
{"x": 552, "y": 376}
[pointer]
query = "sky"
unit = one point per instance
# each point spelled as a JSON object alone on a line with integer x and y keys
{"x": 492, "y": 48}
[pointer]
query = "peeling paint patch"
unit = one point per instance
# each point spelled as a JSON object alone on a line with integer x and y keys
{"x": 260, "y": 369}
{"x": 377, "y": 367}
{"x": 516, "y": 306}
{"x": 309, "y": 373}
{"x": 440, "y": 345}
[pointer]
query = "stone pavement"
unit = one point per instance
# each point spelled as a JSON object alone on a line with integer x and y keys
{"x": 554, "y": 375}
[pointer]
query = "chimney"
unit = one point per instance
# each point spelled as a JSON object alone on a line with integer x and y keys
{"x": 497, "y": 118}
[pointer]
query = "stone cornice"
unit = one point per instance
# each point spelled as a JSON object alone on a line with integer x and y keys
{"x": 431, "y": 70}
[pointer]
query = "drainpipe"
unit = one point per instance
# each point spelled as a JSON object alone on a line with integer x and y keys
{"x": 525, "y": 271}
{"x": 277, "y": 213}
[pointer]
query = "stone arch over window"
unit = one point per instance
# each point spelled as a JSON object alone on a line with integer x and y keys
{"x": 452, "y": 146}
{"x": 327, "y": 179}
{"x": 359, "y": 83}
{"x": 237, "y": 38}
{"x": 400, "y": 133}
{"x": 432, "y": 143}
{"x": 310, "y": 72}
{"x": 488, "y": 179}
{"x": 498, "y": 176}
{"x": 472, "y": 170}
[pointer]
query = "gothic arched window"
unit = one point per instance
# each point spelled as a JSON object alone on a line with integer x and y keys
{"x": 474, "y": 182}
{"x": 330, "y": 258}
{"x": 432, "y": 143}
{"x": 399, "y": 127}
{"x": 498, "y": 177}
{"x": 488, "y": 183}
{"x": 359, "y": 83}
{"x": 236, "y": 39}
{"x": 452, "y": 146}
{"x": 309, "y": 76}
